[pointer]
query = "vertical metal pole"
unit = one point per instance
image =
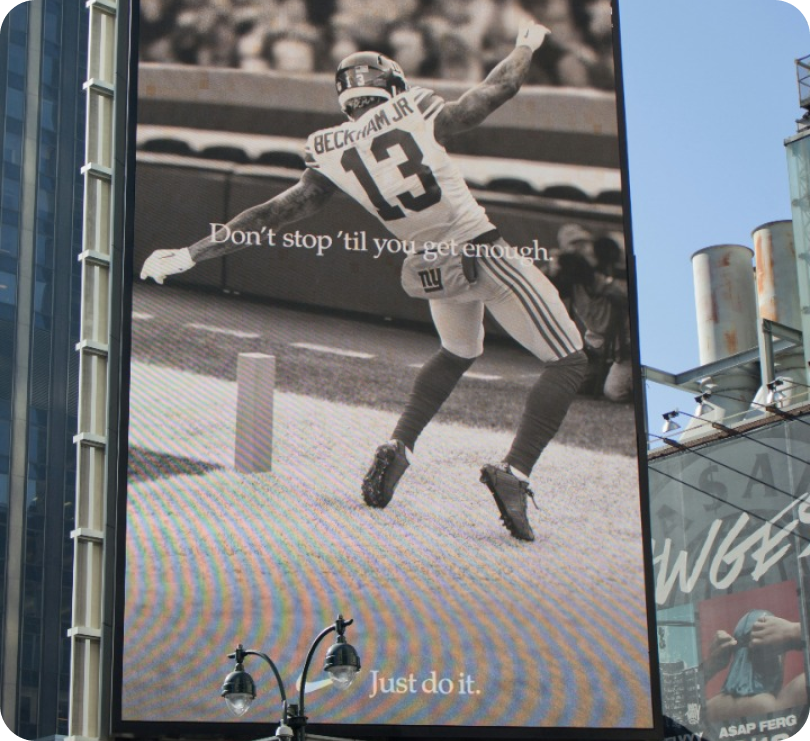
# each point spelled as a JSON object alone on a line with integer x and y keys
{"x": 88, "y": 707}
{"x": 798, "y": 156}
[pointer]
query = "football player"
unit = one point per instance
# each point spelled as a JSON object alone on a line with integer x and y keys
{"x": 390, "y": 157}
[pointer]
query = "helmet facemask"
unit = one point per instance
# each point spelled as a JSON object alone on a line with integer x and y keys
{"x": 356, "y": 106}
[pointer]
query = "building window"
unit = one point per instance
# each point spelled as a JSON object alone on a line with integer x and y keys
{"x": 8, "y": 288}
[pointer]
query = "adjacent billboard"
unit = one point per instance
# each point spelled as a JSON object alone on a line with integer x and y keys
{"x": 731, "y": 545}
{"x": 365, "y": 343}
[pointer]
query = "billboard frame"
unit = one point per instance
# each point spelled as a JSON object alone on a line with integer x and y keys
{"x": 117, "y": 485}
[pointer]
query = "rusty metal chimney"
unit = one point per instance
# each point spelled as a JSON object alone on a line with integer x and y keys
{"x": 778, "y": 300}
{"x": 725, "y": 302}
{"x": 777, "y": 284}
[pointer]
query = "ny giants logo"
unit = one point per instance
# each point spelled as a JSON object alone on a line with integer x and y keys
{"x": 431, "y": 280}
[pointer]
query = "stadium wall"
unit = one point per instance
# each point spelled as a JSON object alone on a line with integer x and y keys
{"x": 575, "y": 126}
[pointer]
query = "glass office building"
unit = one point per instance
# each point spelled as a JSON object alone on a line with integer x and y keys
{"x": 43, "y": 53}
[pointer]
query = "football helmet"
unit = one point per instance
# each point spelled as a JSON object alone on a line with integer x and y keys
{"x": 367, "y": 74}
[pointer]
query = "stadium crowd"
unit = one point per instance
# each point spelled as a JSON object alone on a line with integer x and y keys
{"x": 446, "y": 39}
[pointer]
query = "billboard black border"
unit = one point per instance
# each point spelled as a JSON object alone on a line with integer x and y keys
{"x": 128, "y": 12}
{"x": 126, "y": 118}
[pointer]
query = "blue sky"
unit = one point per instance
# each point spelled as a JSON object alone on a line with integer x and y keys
{"x": 710, "y": 96}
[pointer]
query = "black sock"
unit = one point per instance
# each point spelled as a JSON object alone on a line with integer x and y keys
{"x": 434, "y": 382}
{"x": 545, "y": 409}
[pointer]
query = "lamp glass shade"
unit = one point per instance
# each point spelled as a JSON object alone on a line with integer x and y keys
{"x": 775, "y": 396}
{"x": 342, "y": 676}
{"x": 703, "y": 408}
{"x": 238, "y": 703}
{"x": 670, "y": 425}
{"x": 239, "y": 691}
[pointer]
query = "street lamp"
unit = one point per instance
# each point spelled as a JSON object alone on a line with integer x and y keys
{"x": 342, "y": 663}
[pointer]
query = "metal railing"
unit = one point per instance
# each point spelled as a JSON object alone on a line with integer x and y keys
{"x": 803, "y": 78}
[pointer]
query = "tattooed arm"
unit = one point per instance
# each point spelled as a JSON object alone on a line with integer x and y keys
{"x": 501, "y": 84}
{"x": 303, "y": 199}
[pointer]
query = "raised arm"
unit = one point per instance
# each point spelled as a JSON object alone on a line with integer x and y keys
{"x": 501, "y": 84}
{"x": 303, "y": 199}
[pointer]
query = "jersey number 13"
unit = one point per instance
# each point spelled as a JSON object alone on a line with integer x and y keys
{"x": 413, "y": 165}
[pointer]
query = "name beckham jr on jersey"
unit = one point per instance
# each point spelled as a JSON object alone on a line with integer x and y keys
{"x": 329, "y": 141}
{"x": 391, "y": 163}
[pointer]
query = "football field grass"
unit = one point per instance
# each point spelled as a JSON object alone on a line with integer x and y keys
{"x": 550, "y": 633}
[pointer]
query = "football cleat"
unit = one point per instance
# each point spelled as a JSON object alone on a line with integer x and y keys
{"x": 390, "y": 462}
{"x": 510, "y": 495}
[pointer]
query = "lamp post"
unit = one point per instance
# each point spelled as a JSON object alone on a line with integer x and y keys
{"x": 342, "y": 662}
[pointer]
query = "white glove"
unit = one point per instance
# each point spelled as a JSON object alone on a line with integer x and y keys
{"x": 166, "y": 262}
{"x": 531, "y": 34}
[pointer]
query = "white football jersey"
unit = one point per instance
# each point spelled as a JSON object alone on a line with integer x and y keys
{"x": 389, "y": 161}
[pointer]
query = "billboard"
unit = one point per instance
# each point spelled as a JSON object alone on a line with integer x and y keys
{"x": 731, "y": 541}
{"x": 364, "y": 345}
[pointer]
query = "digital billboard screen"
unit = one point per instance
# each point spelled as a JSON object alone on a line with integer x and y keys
{"x": 383, "y": 365}
{"x": 730, "y": 547}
